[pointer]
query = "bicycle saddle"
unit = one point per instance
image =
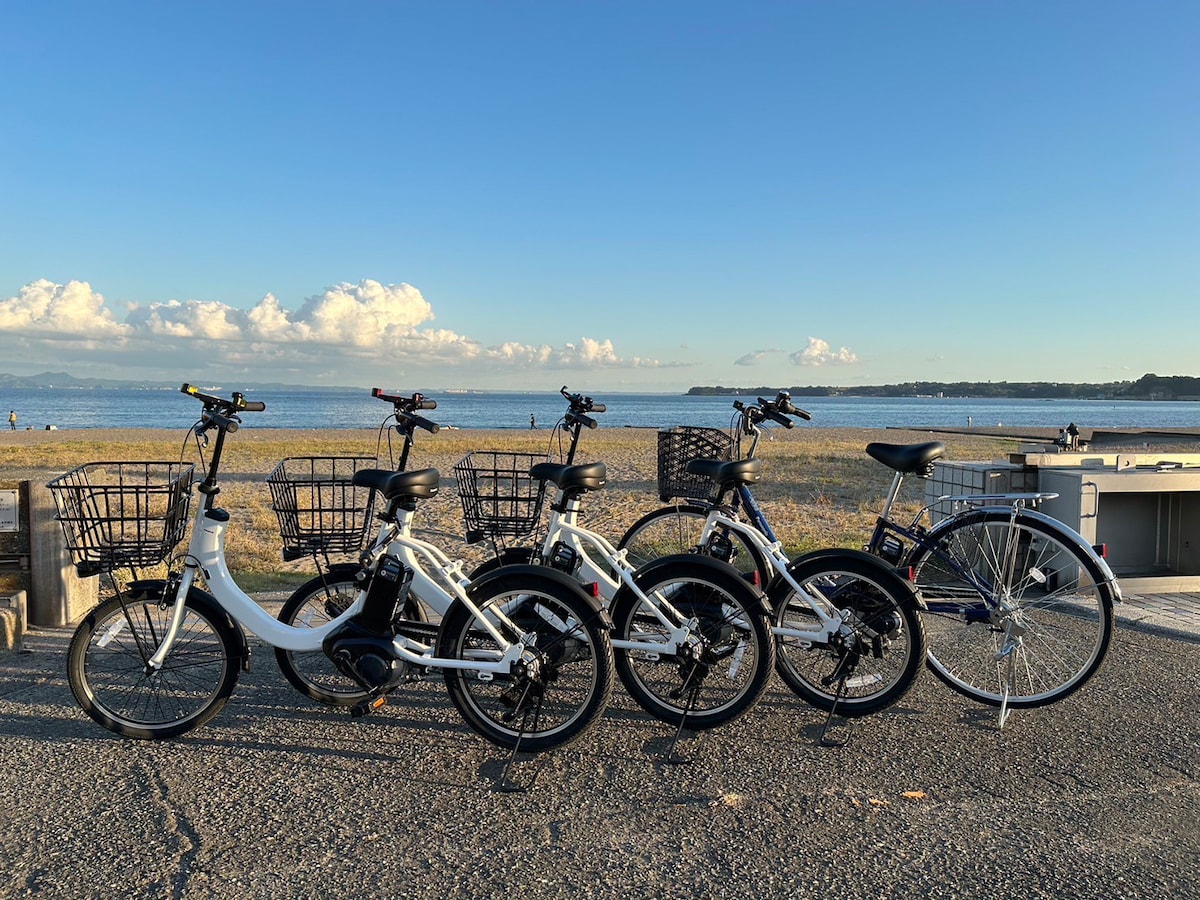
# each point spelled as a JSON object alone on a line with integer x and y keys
{"x": 739, "y": 471}
{"x": 587, "y": 477}
{"x": 420, "y": 484}
{"x": 907, "y": 458}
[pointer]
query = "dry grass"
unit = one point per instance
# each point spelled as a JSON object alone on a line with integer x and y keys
{"x": 819, "y": 488}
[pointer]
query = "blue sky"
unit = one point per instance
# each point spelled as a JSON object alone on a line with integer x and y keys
{"x": 612, "y": 195}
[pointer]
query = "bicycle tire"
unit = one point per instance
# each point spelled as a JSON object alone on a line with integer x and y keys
{"x": 315, "y": 603}
{"x": 1062, "y": 600}
{"x": 730, "y": 667}
{"x": 574, "y": 655}
{"x": 676, "y": 529}
{"x": 106, "y": 665}
{"x": 876, "y": 657}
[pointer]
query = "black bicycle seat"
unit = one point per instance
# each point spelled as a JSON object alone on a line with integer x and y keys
{"x": 906, "y": 458}
{"x": 420, "y": 484}
{"x": 586, "y": 477}
{"x": 739, "y": 471}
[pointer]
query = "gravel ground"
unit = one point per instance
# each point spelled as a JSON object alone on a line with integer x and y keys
{"x": 1095, "y": 797}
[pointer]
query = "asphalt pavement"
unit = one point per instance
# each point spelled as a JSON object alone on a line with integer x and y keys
{"x": 1096, "y": 796}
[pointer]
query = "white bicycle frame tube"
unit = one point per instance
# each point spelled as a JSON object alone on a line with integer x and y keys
{"x": 565, "y": 525}
{"x": 206, "y": 554}
{"x": 773, "y": 550}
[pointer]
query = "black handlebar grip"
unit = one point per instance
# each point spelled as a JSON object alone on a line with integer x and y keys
{"x": 254, "y": 406}
{"x": 431, "y": 427}
{"x": 804, "y": 414}
{"x": 426, "y": 403}
{"x": 586, "y": 420}
{"x": 597, "y": 408}
{"x": 782, "y": 419}
{"x": 228, "y": 423}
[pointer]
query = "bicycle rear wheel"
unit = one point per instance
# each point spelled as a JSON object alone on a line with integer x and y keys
{"x": 713, "y": 680}
{"x": 873, "y": 660}
{"x": 1017, "y": 613}
{"x": 676, "y": 529}
{"x": 316, "y": 603}
{"x": 566, "y": 684}
{"x": 106, "y": 665}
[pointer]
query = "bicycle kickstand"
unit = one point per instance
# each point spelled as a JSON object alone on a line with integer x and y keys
{"x": 506, "y": 785}
{"x": 1005, "y": 709}
{"x": 822, "y": 739}
{"x": 1009, "y": 654}
{"x": 672, "y": 759}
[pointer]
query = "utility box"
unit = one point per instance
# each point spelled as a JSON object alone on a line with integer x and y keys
{"x": 957, "y": 478}
{"x": 1145, "y": 508}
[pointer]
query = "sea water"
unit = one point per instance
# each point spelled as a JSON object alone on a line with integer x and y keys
{"x": 301, "y": 408}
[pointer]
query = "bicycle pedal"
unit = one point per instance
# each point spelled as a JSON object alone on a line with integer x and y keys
{"x": 368, "y": 706}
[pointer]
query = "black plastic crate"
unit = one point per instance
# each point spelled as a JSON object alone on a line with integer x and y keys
{"x": 679, "y": 446}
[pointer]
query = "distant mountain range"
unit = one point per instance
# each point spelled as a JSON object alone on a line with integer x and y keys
{"x": 70, "y": 382}
{"x": 1148, "y": 387}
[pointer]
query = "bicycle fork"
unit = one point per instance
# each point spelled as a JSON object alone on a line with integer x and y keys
{"x": 184, "y": 585}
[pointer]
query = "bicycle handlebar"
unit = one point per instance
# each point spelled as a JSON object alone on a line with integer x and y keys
{"x": 220, "y": 412}
{"x": 404, "y": 407}
{"x": 783, "y": 402}
{"x": 579, "y": 406}
{"x": 405, "y": 404}
{"x": 776, "y": 410}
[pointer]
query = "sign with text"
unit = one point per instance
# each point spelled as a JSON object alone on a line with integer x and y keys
{"x": 8, "y": 511}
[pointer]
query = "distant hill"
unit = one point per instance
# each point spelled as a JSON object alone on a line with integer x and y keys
{"x": 1148, "y": 387}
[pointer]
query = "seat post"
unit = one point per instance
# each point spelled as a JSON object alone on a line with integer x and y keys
{"x": 892, "y": 494}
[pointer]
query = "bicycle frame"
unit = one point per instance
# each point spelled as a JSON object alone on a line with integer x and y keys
{"x": 772, "y": 550}
{"x": 564, "y": 524}
{"x": 1015, "y": 505}
{"x": 206, "y": 555}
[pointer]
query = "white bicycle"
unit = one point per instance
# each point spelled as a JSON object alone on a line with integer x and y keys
{"x": 691, "y": 641}
{"x": 161, "y": 657}
{"x": 851, "y": 639}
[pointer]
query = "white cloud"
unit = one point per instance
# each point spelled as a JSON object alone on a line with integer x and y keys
{"x": 68, "y": 310}
{"x": 754, "y": 358}
{"x": 819, "y": 353}
{"x": 364, "y": 324}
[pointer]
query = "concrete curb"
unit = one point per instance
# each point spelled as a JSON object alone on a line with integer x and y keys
{"x": 12, "y": 621}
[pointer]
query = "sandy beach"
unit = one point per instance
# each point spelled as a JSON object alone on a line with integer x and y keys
{"x": 819, "y": 487}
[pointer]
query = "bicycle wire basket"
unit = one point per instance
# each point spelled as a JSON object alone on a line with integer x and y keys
{"x": 122, "y": 514}
{"x": 680, "y": 445}
{"x": 499, "y": 496}
{"x": 318, "y": 507}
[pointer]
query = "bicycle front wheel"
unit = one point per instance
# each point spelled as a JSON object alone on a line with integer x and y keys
{"x": 1017, "y": 612}
{"x": 721, "y": 671}
{"x": 876, "y": 654}
{"x": 316, "y": 603}
{"x": 106, "y": 665}
{"x": 676, "y": 529}
{"x": 563, "y": 686}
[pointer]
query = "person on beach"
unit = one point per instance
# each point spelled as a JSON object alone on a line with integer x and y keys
{"x": 532, "y": 423}
{"x": 12, "y": 420}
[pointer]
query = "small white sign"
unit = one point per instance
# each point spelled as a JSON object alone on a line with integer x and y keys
{"x": 8, "y": 511}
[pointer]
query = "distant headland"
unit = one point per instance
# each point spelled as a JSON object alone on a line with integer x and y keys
{"x": 1148, "y": 387}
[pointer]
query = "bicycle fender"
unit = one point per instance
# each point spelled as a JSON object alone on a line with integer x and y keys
{"x": 509, "y": 556}
{"x": 547, "y": 573}
{"x": 721, "y": 573}
{"x": 154, "y": 587}
{"x": 1068, "y": 534}
{"x": 900, "y": 575}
